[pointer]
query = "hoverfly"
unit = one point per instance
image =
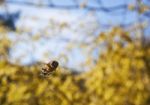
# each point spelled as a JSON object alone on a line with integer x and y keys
{"x": 49, "y": 68}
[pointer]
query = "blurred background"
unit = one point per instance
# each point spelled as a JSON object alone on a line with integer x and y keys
{"x": 102, "y": 47}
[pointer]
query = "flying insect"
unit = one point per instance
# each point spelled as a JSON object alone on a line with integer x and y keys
{"x": 49, "y": 68}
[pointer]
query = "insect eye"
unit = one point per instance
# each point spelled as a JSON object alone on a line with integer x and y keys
{"x": 54, "y": 64}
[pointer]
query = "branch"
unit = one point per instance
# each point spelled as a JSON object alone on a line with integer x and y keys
{"x": 76, "y": 6}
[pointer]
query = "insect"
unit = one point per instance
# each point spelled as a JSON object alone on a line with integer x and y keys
{"x": 49, "y": 68}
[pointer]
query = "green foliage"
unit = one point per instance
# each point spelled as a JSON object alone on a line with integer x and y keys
{"x": 120, "y": 77}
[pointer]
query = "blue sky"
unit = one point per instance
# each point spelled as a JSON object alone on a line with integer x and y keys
{"x": 80, "y": 22}
{"x": 119, "y": 16}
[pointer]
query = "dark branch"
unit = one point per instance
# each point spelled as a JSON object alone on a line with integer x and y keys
{"x": 76, "y": 6}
